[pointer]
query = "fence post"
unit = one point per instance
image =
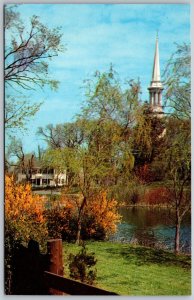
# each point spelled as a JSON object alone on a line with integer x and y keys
{"x": 54, "y": 251}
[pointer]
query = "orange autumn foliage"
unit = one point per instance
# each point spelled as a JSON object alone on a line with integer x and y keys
{"x": 104, "y": 213}
{"x": 99, "y": 219}
{"x": 24, "y": 211}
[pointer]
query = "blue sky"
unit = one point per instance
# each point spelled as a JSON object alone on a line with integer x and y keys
{"x": 96, "y": 35}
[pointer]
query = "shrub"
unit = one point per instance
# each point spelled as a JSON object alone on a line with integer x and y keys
{"x": 61, "y": 222}
{"x": 24, "y": 220}
{"x": 134, "y": 197}
{"x": 158, "y": 170}
{"x": 129, "y": 193}
{"x": 24, "y": 212}
{"x": 81, "y": 266}
{"x": 159, "y": 195}
{"x": 101, "y": 215}
{"x": 10, "y": 245}
{"x": 150, "y": 172}
{"x": 100, "y": 218}
{"x": 144, "y": 174}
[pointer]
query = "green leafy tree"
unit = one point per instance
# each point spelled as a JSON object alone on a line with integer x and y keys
{"x": 62, "y": 136}
{"x": 18, "y": 112}
{"x": 97, "y": 153}
{"x": 177, "y": 164}
{"x": 112, "y": 109}
{"x": 84, "y": 167}
{"x": 177, "y": 81}
{"x": 107, "y": 100}
{"x": 147, "y": 136}
{"x": 177, "y": 154}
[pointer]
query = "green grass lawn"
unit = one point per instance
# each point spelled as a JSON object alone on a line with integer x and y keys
{"x": 129, "y": 270}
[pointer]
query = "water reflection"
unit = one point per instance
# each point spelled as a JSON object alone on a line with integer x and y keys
{"x": 152, "y": 227}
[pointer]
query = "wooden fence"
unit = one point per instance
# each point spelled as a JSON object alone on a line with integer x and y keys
{"x": 72, "y": 287}
{"x": 38, "y": 274}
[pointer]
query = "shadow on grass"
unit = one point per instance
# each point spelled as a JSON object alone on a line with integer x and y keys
{"x": 143, "y": 255}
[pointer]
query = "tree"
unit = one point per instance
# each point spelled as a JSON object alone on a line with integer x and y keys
{"x": 62, "y": 136}
{"x": 85, "y": 168}
{"x": 69, "y": 135}
{"x": 91, "y": 171}
{"x": 177, "y": 154}
{"x": 177, "y": 163}
{"x": 106, "y": 100}
{"x": 26, "y": 64}
{"x": 177, "y": 81}
{"x": 21, "y": 161}
{"x": 26, "y": 52}
{"x": 18, "y": 112}
{"x": 54, "y": 159}
{"x": 147, "y": 136}
{"x": 112, "y": 109}
{"x": 97, "y": 151}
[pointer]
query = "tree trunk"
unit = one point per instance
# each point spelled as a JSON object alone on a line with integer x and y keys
{"x": 79, "y": 227}
{"x": 79, "y": 221}
{"x": 177, "y": 235}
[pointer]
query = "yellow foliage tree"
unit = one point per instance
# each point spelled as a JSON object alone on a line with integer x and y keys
{"x": 24, "y": 212}
{"x": 105, "y": 213}
{"x": 24, "y": 220}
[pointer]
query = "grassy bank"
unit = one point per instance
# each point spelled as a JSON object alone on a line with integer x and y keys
{"x": 129, "y": 270}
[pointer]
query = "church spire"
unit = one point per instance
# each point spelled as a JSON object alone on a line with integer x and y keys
{"x": 156, "y": 68}
{"x": 155, "y": 88}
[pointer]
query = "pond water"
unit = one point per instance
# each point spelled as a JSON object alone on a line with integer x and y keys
{"x": 152, "y": 227}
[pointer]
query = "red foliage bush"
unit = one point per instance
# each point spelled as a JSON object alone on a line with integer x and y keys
{"x": 144, "y": 174}
{"x": 159, "y": 195}
{"x": 150, "y": 173}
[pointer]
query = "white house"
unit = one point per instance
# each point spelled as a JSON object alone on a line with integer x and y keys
{"x": 31, "y": 170}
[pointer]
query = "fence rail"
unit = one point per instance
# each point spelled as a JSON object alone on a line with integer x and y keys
{"x": 72, "y": 287}
{"x": 42, "y": 274}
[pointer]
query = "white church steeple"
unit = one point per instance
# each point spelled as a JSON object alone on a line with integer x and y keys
{"x": 155, "y": 88}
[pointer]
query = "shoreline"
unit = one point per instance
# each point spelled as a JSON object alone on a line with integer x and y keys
{"x": 144, "y": 205}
